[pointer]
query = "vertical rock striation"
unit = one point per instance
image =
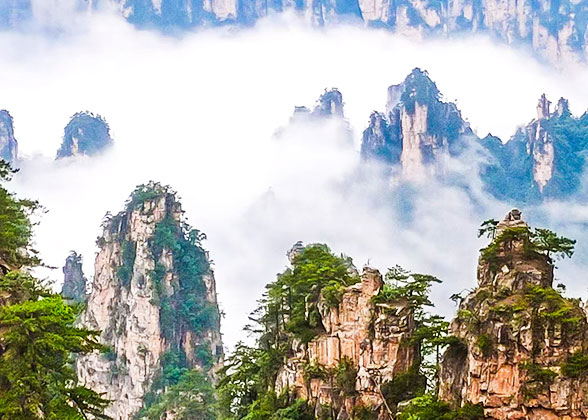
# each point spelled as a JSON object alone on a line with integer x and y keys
{"x": 8, "y": 144}
{"x": 522, "y": 344}
{"x": 85, "y": 134}
{"x": 418, "y": 128}
{"x": 74, "y": 281}
{"x": 369, "y": 339}
{"x": 154, "y": 300}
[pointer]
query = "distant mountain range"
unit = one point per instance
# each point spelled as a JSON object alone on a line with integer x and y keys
{"x": 555, "y": 29}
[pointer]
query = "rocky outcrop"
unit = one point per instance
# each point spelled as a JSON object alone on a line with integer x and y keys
{"x": 419, "y": 133}
{"x": 74, "y": 281}
{"x": 418, "y": 128}
{"x": 153, "y": 298}
{"x": 556, "y": 30}
{"x": 8, "y": 144}
{"x": 329, "y": 104}
{"x": 368, "y": 340}
{"x": 545, "y": 158}
{"x": 85, "y": 134}
{"x": 522, "y": 345}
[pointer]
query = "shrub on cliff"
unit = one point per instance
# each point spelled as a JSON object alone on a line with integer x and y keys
{"x": 38, "y": 337}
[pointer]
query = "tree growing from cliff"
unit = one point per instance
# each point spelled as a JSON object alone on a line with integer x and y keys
{"x": 37, "y": 332}
{"x": 288, "y": 310}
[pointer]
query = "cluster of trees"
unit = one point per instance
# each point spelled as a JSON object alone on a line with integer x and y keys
{"x": 288, "y": 311}
{"x": 38, "y": 338}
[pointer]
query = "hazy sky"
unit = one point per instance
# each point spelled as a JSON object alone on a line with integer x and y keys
{"x": 200, "y": 114}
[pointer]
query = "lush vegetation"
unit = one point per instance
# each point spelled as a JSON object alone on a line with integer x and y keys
{"x": 428, "y": 407}
{"x": 535, "y": 242}
{"x": 38, "y": 338}
{"x": 288, "y": 311}
{"x": 509, "y": 174}
{"x": 181, "y": 294}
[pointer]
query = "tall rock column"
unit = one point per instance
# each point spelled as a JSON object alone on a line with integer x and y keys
{"x": 8, "y": 144}
{"x": 523, "y": 346}
{"x": 369, "y": 340}
{"x": 154, "y": 300}
{"x": 74, "y": 281}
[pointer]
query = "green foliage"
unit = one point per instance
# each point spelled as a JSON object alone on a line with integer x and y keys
{"x": 125, "y": 271}
{"x": 190, "y": 398}
{"x": 549, "y": 243}
{"x": 488, "y": 228}
{"x": 538, "y": 378}
{"x": 428, "y": 407}
{"x": 549, "y": 305}
{"x": 576, "y": 366}
{"x": 38, "y": 337}
{"x": 346, "y": 376}
{"x": 147, "y": 192}
{"x": 16, "y": 228}
{"x": 535, "y": 242}
{"x": 36, "y": 378}
{"x": 296, "y": 293}
{"x": 314, "y": 371}
{"x": 299, "y": 410}
{"x": 363, "y": 412}
{"x": 403, "y": 387}
{"x": 401, "y": 284}
{"x": 244, "y": 383}
{"x": 485, "y": 344}
{"x": 187, "y": 307}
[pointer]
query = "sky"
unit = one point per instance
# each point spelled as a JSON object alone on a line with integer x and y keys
{"x": 201, "y": 113}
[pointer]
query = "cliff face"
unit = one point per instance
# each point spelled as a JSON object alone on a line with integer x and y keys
{"x": 85, "y": 134}
{"x": 545, "y": 158}
{"x": 8, "y": 144}
{"x": 74, "y": 281}
{"x": 360, "y": 336}
{"x": 522, "y": 347}
{"x": 417, "y": 130}
{"x": 154, "y": 300}
{"x": 554, "y": 29}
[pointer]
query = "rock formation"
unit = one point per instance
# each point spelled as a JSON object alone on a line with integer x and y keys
{"x": 329, "y": 104}
{"x": 85, "y": 134}
{"x": 556, "y": 30}
{"x": 545, "y": 158}
{"x": 418, "y": 132}
{"x": 74, "y": 281}
{"x": 417, "y": 129}
{"x": 8, "y": 144}
{"x": 522, "y": 350}
{"x": 153, "y": 298}
{"x": 366, "y": 338}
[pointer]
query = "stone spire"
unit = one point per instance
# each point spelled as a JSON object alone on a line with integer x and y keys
{"x": 543, "y": 108}
{"x": 74, "y": 281}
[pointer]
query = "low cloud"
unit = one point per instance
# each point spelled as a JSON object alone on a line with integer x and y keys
{"x": 200, "y": 113}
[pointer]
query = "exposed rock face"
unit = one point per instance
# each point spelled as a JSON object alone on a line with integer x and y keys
{"x": 74, "y": 281}
{"x": 418, "y": 128}
{"x": 545, "y": 158}
{"x": 329, "y": 104}
{"x": 518, "y": 334}
{"x": 418, "y": 132}
{"x": 555, "y": 29}
{"x": 153, "y": 295}
{"x": 8, "y": 144}
{"x": 85, "y": 134}
{"x": 373, "y": 337}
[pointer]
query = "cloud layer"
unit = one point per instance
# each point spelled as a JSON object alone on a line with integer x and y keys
{"x": 200, "y": 113}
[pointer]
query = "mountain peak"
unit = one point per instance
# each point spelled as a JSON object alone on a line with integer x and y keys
{"x": 85, "y": 134}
